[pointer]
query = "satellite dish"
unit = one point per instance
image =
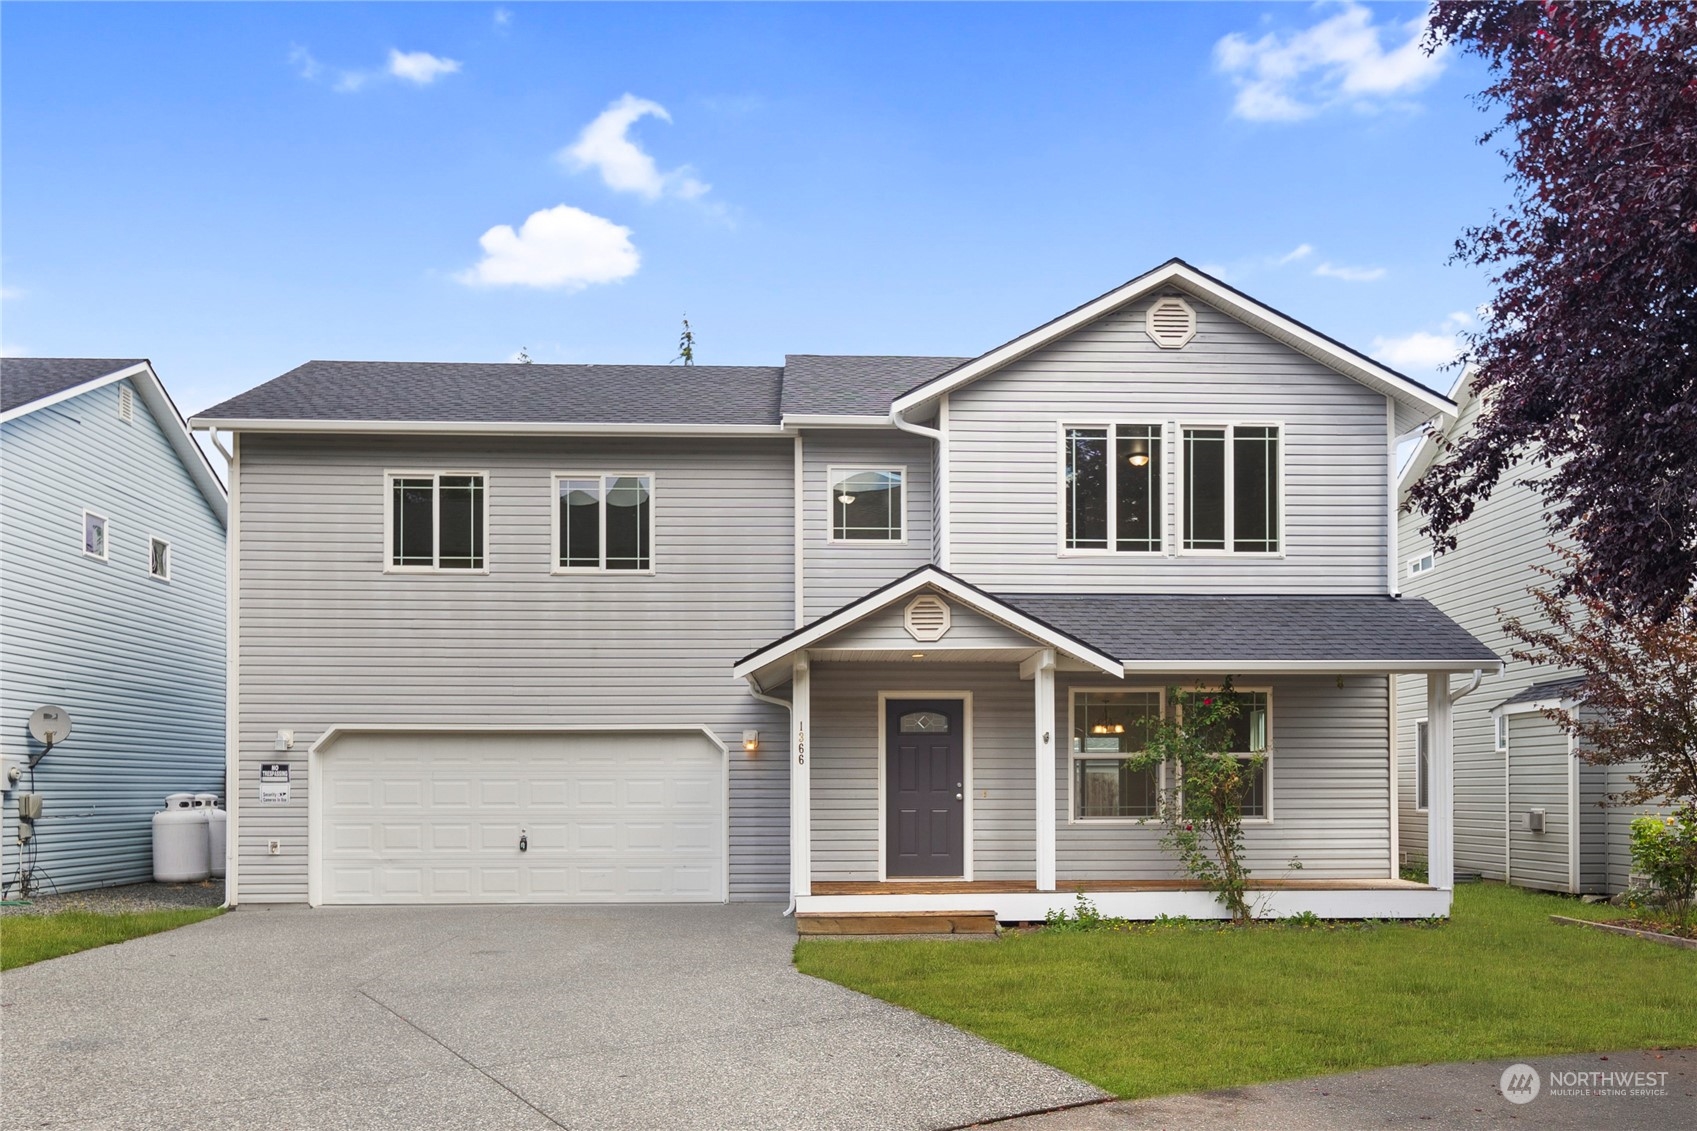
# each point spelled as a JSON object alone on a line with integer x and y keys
{"x": 50, "y": 725}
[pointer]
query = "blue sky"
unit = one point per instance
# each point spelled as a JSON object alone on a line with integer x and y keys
{"x": 233, "y": 189}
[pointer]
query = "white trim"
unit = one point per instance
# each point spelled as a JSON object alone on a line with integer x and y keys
{"x": 1342, "y": 667}
{"x": 831, "y": 473}
{"x": 63, "y": 395}
{"x": 942, "y": 485}
{"x": 1392, "y": 582}
{"x": 232, "y": 681}
{"x": 1072, "y": 770}
{"x": 1046, "y": 738}
{"x": 1396, "y": 773}
{"x": 965, "y": 698}
{"x": 389, "y": 566}
{"x": 1573, "y": 819}
{"x": 1246, "y": 310}
{"x": 1535, "y": 706}
{"x": 105, "y": 536}
{"x": 799, "y": 509}
{"x": 330, "y": 735}
{"x": 1440, "y": 759}
{"x": 835, "y": 420}
{"x": 601, "y": 477}
{"x": 165, "y": 542}
{"x": 1422, "y": 776}
{"x": 1230, "y": 488}
{"x": 950, "y": 587}
{"x": 486, "y": 427}
{"x": 1111, "y": 471}
{"x": 1025, "y": 907}
{"x": 1499, "y": 732}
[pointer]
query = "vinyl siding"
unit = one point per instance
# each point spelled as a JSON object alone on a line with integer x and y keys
{"x": 1330, "y": 797}
{"x": 326, "y": 637}
{"x": 138, "y": 663}
{"x": 887, "y": 629}
{"x": 1538, "y": 778}
{"x": 1005, "y": 460}
{"x": 839, "y": 572}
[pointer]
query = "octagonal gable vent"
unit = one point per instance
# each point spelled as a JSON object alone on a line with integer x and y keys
{"x": 926, "y": 617}
{"x": 1171, "y": 322}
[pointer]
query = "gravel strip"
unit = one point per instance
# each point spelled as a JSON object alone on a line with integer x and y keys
{"x": 129, "y": 897}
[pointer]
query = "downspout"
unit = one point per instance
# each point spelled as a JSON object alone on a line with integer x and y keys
{"x": 754, "y": 690}
{"x": 1472, "y": 686}
{"x": 941, "y": 486}
{"x": 212, "y": 434}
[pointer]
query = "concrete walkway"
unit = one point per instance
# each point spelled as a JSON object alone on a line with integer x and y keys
{"x": 495, "y": 1017}
{"x": 1463, "y": 1095}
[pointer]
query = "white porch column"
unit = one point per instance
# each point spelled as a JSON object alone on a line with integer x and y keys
{"x": 1040, "y": 669}
{"x": 801, "y": 798}
{"x": 1440, "y": 788}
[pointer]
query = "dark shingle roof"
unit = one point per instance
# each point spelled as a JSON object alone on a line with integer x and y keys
{"x": 1549, "y": 689}
{"x": 1136, "y": 627}
{"x": 26, "y": 379}
{"x": 841, "y": 385}
{"x": 509, "y": 393}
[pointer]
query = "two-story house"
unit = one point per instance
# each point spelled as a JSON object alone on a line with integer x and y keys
{"x": 871, "y": 633}
{"x": 111, "y": 610}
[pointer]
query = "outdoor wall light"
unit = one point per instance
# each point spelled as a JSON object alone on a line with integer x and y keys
{"x": 751, "y": 740}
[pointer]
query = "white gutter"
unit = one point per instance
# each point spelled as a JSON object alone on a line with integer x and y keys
{"x": 1472, "y": 686}
{"x": 212, "y": 434}
{"x": 486, "y": 427}
{"x": 941, "y": 486}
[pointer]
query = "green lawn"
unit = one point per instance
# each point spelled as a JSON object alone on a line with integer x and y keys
{"x": 31, "y": 938}
{"x": 1169, "y": 1009}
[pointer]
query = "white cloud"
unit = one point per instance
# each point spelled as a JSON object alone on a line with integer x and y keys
{"x": 502, "y": 17}
{"x": 7, "y": 294}
{"x": 12, "y": 349}
{"x": 420, "y": 67}
{"x": 605, "y": 146}
{"x": 1340, "y": 61}
{"x": 1349, "y": 274}
{"x": 1300, "y": 251}
{"x": 303, "y": 62}
{"x": 559, "y": 247}
{"x": 1424, "y": 349}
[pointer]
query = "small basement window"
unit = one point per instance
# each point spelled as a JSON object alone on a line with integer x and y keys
{"x": 437, "y": 520}
{"x": 867, "y": 504}
{"x": 94, "y": 535}
{"x": 159, "y": 559}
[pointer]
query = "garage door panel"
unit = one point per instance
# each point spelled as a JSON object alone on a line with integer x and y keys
{"x": 608, "y": 818}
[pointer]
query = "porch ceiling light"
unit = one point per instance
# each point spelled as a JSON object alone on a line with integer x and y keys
{"x": 919, "y": 655}
{"x": 1139, "y": 453}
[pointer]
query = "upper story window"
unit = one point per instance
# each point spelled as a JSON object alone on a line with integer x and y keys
{"x": 94, "y": 535}
{"x": 867, "y": 504}
{"x": 1113, "y": 488}
{"x": 159, "y": 559}
{"x": 1425, "y": 563}
{"x": 604, "y": 522}
{"x": 1231, "y": 488}
{"x": 437, "y": 520}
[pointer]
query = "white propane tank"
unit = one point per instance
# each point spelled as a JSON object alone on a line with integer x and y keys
{"x": 217, "y": 825}
{"x": 180, "y": 841}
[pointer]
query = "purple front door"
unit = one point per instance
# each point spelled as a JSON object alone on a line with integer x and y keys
{"x": 925, "y": 784}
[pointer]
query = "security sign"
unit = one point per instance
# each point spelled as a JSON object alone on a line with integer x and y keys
{"x": 273, "y": 783}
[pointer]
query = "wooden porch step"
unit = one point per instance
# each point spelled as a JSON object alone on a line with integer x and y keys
{"x": 895, "y": 923}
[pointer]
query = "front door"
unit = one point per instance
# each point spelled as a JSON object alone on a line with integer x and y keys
{"x": 925, "y": 784}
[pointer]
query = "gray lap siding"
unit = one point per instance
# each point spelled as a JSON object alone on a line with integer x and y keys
{"x": 1331, "y": 775}
{"x": 326, "y": 637}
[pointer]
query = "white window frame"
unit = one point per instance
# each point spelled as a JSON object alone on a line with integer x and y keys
{"x": 106, "y": 535}
{"x": 1074, "y": 757}
{"x": 389, "y": 565}
{"x": 1230, "y": 427}
{"x": 1062, "y": 550}
{"x": 1422, "y": 769}
{"x": 554, "y": 565}
{"x": 1422, "y": 563}
{"x": 165, "y": 542}
{"x": 831, "y": 474}
{"x": 1499, "y": 732}
{"x": 1267, "y": 754}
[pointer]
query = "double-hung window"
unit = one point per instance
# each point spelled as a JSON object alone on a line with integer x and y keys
{"x": 437, "y": 520}
{"x": 604, "y": 522}
{"x": 867, "y": 504}
{"x": 1108, "y": 727}
{"x": 1113, "y": 488}
{"x": 1231, "y": 488}
{"x": 1250, "y": 742}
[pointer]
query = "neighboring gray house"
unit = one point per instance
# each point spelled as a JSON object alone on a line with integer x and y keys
{"x": 111, "y": 607}
{"x": 1518, "y": 783}
{"x": 871, "y": 633}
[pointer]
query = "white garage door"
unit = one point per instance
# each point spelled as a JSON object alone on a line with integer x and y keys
{"x": 605, "y": 818}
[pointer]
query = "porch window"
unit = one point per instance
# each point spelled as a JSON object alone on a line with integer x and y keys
{"x": 1422, "y": 773}
{"x": 1108, "y": 727}
{"x": 1231, "y": 488}
{"x": 1249, "y": 741}
{"x": 437, "y": 521}
{"x": 867, "y": 505}
{"x": 604, "y": 522}
{"x": 1113, "y": 488}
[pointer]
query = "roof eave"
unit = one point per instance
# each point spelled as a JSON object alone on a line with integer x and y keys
{"x": 484, "y": 427}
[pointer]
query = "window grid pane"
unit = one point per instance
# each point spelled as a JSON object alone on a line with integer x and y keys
{"x": 1108, "y": 727}
{"x": 1255, "y": 499}
{"x": 1087, "y": 488}
{"x": 460, "y": 513}
{"x": 1421, "y": 775}
{"x": 1138, "y": 502}
{"x": 580, "y": 523}
{"x": 413, "y": 522}
{"x": 866, "y": 506}
{"x": 1204, "y": 489}
{"x": 628, "y": 521}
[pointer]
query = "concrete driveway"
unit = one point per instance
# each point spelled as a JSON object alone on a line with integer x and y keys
{"x": 493, "y": 1017}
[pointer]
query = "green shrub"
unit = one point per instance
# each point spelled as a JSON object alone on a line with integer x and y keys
{"x": 1664, "y": 850}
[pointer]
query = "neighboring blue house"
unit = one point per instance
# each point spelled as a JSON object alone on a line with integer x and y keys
{"x": 112, "y": 607}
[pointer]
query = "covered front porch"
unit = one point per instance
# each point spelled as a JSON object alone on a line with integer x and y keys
{"x": 951, "y": 753}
